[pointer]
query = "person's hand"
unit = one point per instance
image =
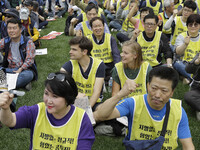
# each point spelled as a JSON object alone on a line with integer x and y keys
{"x": 19, "y": 70}
{"x": 187, "y": 40}
{"x": 175, "y": 11}
{"x": 128, "y": 87}
{"x": 79, "y": 33}
{"x": 70, "y": 11}
{"x": 46, "y": 11}
{"x": 197, "y": 61}
{"x": 56, "y": 7}
{"x": 136, "y": 33}
{"x": 17, "y": 8}
{"x": 74, "y": 21}
{"x": 123, "y": 4}
{"x": 5, "y": 100}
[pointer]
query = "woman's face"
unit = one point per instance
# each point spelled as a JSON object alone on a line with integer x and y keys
{"x": 128, "y": 55}
{"x": 55, "y": 105}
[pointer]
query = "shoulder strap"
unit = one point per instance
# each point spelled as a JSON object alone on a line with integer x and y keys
{"x": 166, "y": 120}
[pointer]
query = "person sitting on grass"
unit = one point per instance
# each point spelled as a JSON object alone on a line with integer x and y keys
{"x": 88, "y": 72}
{"x": 146, "y": 113}
{"x": 19, "y": 54}
{"x": 65, "y": 125}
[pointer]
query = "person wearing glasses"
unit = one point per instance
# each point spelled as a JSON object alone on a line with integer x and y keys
{"x": 187, "y": 46}
{"x": 88, "y": 72}
{"x": 178, "y": 23}
{"x": 55, "y": 123}
{"x": 154, "y": 43}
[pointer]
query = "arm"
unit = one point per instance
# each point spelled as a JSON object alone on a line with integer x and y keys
{"x": 168, "y": 24}
{"x": 181, "y": 48}
{"x": 72, "y": 32}
{"x": 96, "y": 91}
{"x": 107, "y": 110}
{"x": 187, "y": 144}
{"x": 80, "y": 4}
{"x": 36, "y": 34}
{"x": 6, "y": 116}
{"x": 115, "y": 51}
{"x": 193, "y": 65}
{"x": 131, "y": 13}
{"x": 115, "y": 88}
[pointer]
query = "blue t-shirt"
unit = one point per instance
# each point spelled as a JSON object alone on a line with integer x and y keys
{"x": 126, "y": 108}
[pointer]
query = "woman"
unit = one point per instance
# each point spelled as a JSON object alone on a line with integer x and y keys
{"x": 54, "y": 123}
{"x": 131, "y": 67}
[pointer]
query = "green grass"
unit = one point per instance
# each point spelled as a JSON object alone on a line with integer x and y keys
{"x": 58, "y": 50}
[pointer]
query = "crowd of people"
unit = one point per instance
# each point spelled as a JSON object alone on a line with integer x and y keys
{"x": 160, "y": 45}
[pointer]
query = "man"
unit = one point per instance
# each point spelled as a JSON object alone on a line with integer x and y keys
{"x": 19, "y": 54}
{"x": 154, "y": 4}
{"x": 104, "y": 46}
{"x": 84, "y": 28}
{"x": 146, "y": 112}
{"x": 187, "y": 46}
{"x": 87, "y": 72}
{"x": 153, "y": 43}
{"x": 178, "y": 24}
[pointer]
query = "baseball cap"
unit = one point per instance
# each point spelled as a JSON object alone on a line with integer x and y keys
{"x": 93, "y": 1}
{"x": 12, "y": 12}
{"x": 24, "y": 13}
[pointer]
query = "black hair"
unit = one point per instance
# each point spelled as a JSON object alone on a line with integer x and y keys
{"x": 83, "y": 42}
{"x": 151, "y": 16}
{"x": 96, "y": 18}
{"x": 15, "y": 21}
{"x": 149, "y": 9}
{"x": 193, "y": 18}
{"x": 90, "y": 7}
{"x": 66, "y": 89}
{"x": 35, "y": 5}
{"x": 165, "y": 73}
{"x": 190, "y": 4}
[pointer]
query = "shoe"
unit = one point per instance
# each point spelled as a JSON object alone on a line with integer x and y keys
{"x": 28, "y": 87}
{"x": 186, "y": 81}
{"x": 114, "y": 30}
{"x": 198, "y": 115}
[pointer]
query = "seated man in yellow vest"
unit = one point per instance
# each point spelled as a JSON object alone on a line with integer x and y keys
{"x": 178, "y": 23}
{"x": 154, "y": 43}
{"x": 84, "y": 28}
{"x": 154, "y": 4}
{"x": 104, "y": 46}
{"x": 88, "y": 72}
{"x": 146, "y": 112}
{"x": 188, "y": 45}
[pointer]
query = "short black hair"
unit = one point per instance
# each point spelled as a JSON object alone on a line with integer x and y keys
{"x": 96, "y": 18}
{"x": 90, "y": 7}
{"x": 147, "y": 9}
{"x": 165, "y": 73}
{"x": 66, "y": 89}
{"x": 83, "y": 42}
{"x": 193, "y": 18}
{"x": 35, "y": 5}
{"x": 15, "y": 21}
{"x": 151, "y": 16}
{"x": 190, "y": 4}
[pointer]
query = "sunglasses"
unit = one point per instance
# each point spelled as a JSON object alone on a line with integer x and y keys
{"x": 193, "y": 24}
{"x": 59, "y": 77}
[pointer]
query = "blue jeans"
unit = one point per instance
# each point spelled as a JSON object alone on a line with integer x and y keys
{"x": 115, "y": 24}
{"x": 180, "y": 67}
{"x": 24, "y": 77}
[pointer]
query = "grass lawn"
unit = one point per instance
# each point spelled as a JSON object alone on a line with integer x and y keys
{"x": 57, "y": 55}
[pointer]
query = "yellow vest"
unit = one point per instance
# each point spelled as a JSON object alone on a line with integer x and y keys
{"x": 85, "y": 86}
{"x": 127, "y": 24}
{"x": 150, "y": 49}
{"x": 102, "y": 51}
{"x": 144, "y": 127}
{"x": 155, "y": 8}
{"x": 164, "y": 21}
{"x": 179, "y": 28}
{"x": 47, "y": 136}
{"x": 141, "y": 27}
{"x": 192, "y": 49}
{"x": 86, "y": 30}
{"x": 100, "y": 11}
{"x": 118, "y": 4}
{"x": 140, "y": 79}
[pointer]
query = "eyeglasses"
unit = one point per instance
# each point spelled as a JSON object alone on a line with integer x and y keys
{"x": 150, "y": 24}
{"x": 59, "y": 77}
{"x": 193, "y": 24}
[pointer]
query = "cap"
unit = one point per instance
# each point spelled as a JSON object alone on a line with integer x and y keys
{"x": 93, "y": 1}
{"x": 24, "y": 13}
{"x": 12, "y": 12}
{"x": 28, "y": 3}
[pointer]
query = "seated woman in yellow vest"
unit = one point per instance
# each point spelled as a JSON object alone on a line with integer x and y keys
{"x": 133, "y": 23}
{"x": 188, "y": 45}
{"x": 104, "y": 46}
{"x": 56, "y": 122}
{"x": 131, "y": 67}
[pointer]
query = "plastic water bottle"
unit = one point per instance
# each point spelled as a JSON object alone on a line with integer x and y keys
{"x": 110, "y": 85}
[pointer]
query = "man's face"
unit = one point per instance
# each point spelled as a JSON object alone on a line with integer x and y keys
{"x": 14, "y": 31}
{"x": 150, "y": 26}
{"x": 97, "y": 28}
{"x": 159, "y": 92}
{"x": 170, "y": 8}
{"x": 91, "y": 14}
{"x": 75, "y": 52}
{"x": 187, "y": 12}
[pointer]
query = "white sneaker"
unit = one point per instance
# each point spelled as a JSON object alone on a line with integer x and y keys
{"x": 198, "y": 115}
